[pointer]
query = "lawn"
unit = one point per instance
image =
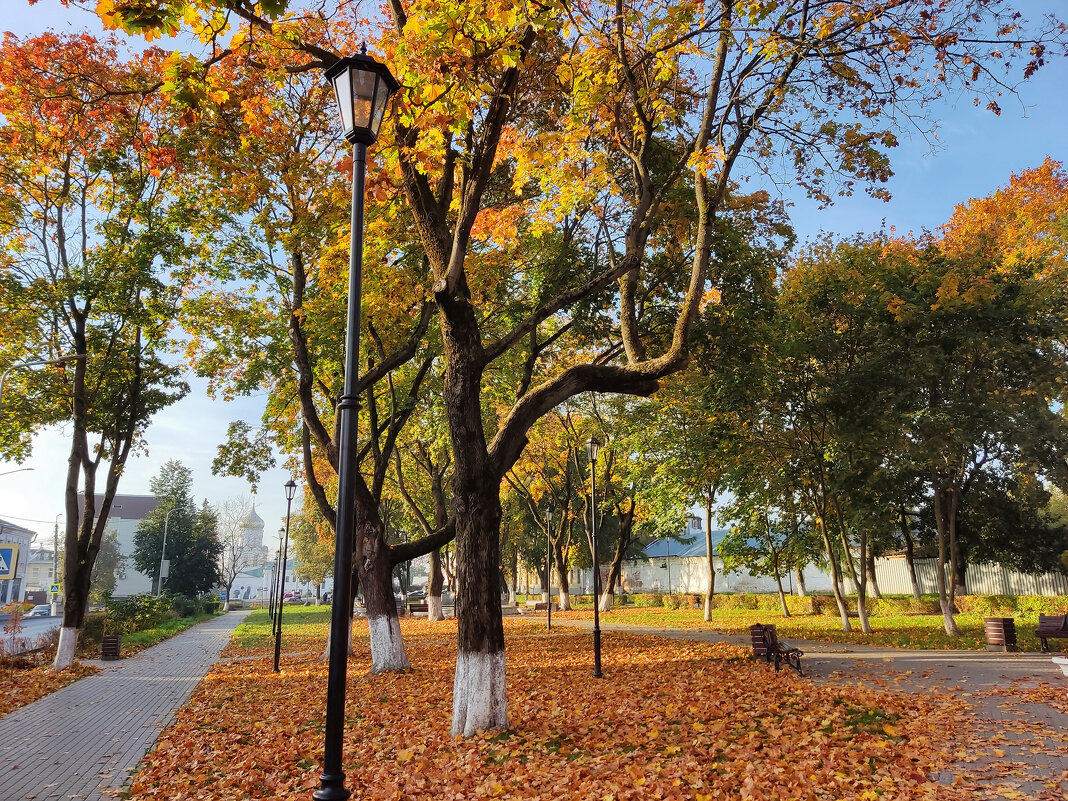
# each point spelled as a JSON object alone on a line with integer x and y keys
{"x": 671, "y": 719}
{"x": 901, "y": 631}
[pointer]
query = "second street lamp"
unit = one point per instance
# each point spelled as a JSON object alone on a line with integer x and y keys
{"x": 363, "y": 88}
{"x": 549, "y": 569}
{"x": 592, "y": 447}
{"x": 291, "y": 490}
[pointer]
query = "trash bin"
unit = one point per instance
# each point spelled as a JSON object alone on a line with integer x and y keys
{"x": 110, "y": 648}
{"x": 1000, "y": 633}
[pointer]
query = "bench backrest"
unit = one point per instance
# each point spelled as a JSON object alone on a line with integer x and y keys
{"x": 1053, "y": 622}
{"x": 756, "y": 636}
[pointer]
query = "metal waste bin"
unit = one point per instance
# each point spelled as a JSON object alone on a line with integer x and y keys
{"x": 110, "y": 647}
{"x": 1000, "y": 633}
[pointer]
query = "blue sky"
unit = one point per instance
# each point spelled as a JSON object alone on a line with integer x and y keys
{"x": 974, "y": 153}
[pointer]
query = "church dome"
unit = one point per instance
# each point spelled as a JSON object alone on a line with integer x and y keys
{"x": 253, "y": 520}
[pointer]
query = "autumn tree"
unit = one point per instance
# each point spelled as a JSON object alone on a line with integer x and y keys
{"x": 590, "y": 125}
{"x": 86, "y": 161}
{"x": 268, "y": 292}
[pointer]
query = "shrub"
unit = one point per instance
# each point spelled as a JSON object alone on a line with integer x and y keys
{"x": 649, "y": 599}
{"x": 136, "y": 613}
{"x": 1035, "y": 605}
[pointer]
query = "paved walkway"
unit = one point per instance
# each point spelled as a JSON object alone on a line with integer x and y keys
{"x": 83, "y": 741}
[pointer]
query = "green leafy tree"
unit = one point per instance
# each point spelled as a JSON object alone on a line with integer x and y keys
{"x": 109, "y": 567}
{"x": 192, "y": 542}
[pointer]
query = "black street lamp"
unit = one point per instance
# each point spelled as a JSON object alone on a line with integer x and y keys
{"x": 291, "y": 490}
{"x": 274, "y": 581}
{"x": 592, "y": 447}
{"x": 363, "y": 88}
{"x": 549, "y": 569}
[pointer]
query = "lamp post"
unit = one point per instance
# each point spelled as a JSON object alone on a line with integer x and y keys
{"x": 592, "y": 447}
{"x": 274, "y": 582}
{"x": 549, "y": 569}
{"x": 163, "y": 552}
{"x": 54, "y": 599}
{"x": 363, "y": 88}
{"x": 36, "y": 363}
{"x": 291, "y": 490}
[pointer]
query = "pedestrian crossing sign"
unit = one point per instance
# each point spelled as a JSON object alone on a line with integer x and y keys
{"x": 9, "y": 559}
{"x": 54, "y": 588}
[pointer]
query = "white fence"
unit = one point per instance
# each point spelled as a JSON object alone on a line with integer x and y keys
{"x": 690, "y": 575}
{"x": 981, "y": 579}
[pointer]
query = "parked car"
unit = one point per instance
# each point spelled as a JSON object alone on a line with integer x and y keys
{"x": 41, "y": 610}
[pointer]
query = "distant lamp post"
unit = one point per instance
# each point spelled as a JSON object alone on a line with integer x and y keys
{"x": 549, "y": 569}
{"x": 163, "y": 554}
{"x": 592, "y": 448}
{"x": 363, "y": 88}
{"x": 291, "y": 490}
{"x": 36, "y": 363}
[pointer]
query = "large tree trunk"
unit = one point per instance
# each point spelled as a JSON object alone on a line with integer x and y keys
{"x": 479, "y": 699}
{"x": 615, "y": 568}
{"x": 437, "y": 582}
{"x": 371, "y": 557}
{"x": 958, "y": 567}
{"x": 710, "y": 590}
{"x": 857, "y": 576}
{"x": 945, "y": 507}
{"x": 910, "y": 554}
{"x": 836, "y": 576}
{"x": 799, "y": 583}
{"x": 873, "y": 581}
{"x": 561, "y": 575}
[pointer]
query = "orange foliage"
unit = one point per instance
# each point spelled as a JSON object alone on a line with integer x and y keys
{"x": 672, "y": 719}
{"x": 1024, "y": 221}
{"x": 19, "y": 687}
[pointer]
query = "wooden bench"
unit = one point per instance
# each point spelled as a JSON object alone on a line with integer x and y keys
{"x": 541, "y": 606}
{"x": 417, "y": 609}
{"x": 767, "y": 646}
{"x": 1050, "y": 627}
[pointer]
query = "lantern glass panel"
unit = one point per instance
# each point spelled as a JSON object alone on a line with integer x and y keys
{"x": 363, "y": 96}
{"x": 343, "y": 92}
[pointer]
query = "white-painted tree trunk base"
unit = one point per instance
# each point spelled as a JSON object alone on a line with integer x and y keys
{"x": 68, "y": 642}
{"x": 479, "y": 702}
{"x": 434, "y": 608}
{"x": 565, "y": 601}
{"x": 387, "y": 646}
{"x": 329, "y": 634}
{"x": 606, "y": 602}
{"x": 545, "y": 597}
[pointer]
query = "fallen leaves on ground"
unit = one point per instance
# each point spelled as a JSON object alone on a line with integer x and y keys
{"x": 671, "y": 719}
{"x": 21, "y": 686}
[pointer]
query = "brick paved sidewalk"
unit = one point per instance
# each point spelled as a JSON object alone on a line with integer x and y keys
{"x": 84, "y": 740}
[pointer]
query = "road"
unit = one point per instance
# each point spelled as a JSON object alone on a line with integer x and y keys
{"x": 32, "y": 629}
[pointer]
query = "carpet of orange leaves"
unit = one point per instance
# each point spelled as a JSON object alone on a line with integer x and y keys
{"x": 671, "y": 719}
{"x": 21, "y": 686}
